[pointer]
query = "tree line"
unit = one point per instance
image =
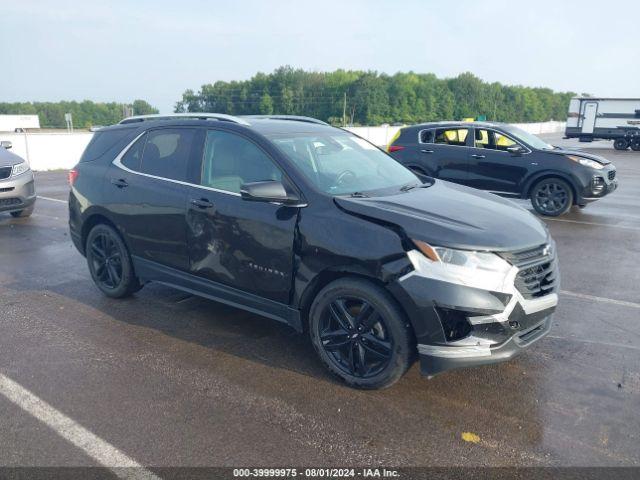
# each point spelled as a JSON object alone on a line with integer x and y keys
{"x": 372, "y": 98}
{"x": 84, "y": 114}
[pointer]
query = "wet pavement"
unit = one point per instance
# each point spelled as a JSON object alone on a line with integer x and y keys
{"x": 174, "y": 380}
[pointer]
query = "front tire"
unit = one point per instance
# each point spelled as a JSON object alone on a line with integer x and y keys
{"x": 360, "y": 334}
{"x": 23, "y": 213}
{"x": 551, "y": 197}
{"x": 621, "y": 144}
{"x": 635, "y": 145}
{"x": 109, "y": 263}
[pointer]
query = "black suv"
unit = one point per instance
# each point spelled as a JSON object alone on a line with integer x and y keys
{"x": 312, "y": 226}
{"x": 507, "y": 161}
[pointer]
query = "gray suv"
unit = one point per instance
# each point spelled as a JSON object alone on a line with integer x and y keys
{"x": 17, "y": 189}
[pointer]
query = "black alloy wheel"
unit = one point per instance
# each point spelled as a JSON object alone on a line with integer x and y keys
{"x": 552, "y": 197}
{"x": 360, "y": 333}
{"x": 354, "y": 335}
{"x": 109, "y": 262}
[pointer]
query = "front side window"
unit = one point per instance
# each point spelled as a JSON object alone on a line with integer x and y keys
{"x": 482, "y": 139}
{"x": 166, "y": 153}
{"x": 451, "y": 136}
{"x": 502, "y": 141}
{"x": 231, "y": 161}
{"x": 341, "y": 164}
{"x": 492, "y": 140}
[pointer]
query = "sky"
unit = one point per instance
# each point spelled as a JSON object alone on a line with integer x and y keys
{"x": 155, "y": 50}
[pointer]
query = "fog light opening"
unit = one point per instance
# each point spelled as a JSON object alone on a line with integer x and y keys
{"x": 454, "y": 323}
{"x": 597, "y": 185}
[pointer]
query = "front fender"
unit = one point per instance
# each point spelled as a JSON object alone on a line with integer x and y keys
{"x": 530, "y": 181}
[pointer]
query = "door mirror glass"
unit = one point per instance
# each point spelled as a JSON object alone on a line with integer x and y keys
{"x": 516, "y": 150}
{"x": 267, "y": 191}
{"x": 6, "y": 144}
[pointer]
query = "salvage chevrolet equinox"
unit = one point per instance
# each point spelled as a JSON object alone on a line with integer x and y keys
{"x": 312, "y": 226}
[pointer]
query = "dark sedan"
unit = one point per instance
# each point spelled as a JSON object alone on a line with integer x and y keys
{"x": 505, "y": 160}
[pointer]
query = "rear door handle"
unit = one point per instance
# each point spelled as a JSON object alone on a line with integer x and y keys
{"x": 119, "y": 182}
{"x": 424, "y": 150}
{"x": 201, "y": 203}
{"x": 475, "y": 155}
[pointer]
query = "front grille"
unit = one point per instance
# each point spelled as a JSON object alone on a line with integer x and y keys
{"x": 5, "y": 172}
{"x": 536, "y": 281}
{"x": 5, "y": 202}
{"x": 612, "y": 174}
{"x": 537, "y": 276}
{"x": 4, "y": 190}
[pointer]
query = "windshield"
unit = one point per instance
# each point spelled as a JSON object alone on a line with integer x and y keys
{"x": 528, "y": 138}
{"x": 343, "y": 164}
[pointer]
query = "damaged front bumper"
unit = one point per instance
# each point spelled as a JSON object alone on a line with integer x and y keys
{"x": 465, "y": 323}
{"x": 520, "y": 330}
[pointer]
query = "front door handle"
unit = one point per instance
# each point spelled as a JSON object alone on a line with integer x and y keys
{"x": 475, "y": 155}
{"x": 424, "y": 150}
{"x": 119, "y": 182}
{"x": 202, "y": 203}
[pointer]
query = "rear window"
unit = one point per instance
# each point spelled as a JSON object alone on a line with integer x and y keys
{"x": 166, "y": 153}
{"x": 102, "y": 141}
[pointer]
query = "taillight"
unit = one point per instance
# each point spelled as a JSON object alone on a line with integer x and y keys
{"x": 73, "y": 175}
{"x": 395, "y": 148}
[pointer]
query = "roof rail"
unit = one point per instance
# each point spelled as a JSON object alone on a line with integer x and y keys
{"x": 197, "y": 116}
{"x": 296, "y": 118}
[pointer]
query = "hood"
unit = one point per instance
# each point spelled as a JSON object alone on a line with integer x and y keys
{"x": 8, "y": 159}
{"x": 454, "y": 216}
{"x": 579, "y": 153}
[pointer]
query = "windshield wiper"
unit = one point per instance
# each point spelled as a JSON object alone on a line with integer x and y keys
{"x": 409, "y": 186}
{"x": 359, "y": 195}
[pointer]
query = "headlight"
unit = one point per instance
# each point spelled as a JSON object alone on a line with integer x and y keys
{"x": 20, "y": 168}
{"x": 586, "y": 162}
{"x": 483, "y": 270}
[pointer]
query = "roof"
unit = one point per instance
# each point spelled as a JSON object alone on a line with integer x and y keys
{"x": 265, "y": 124}
{"x": 606, "y": 98}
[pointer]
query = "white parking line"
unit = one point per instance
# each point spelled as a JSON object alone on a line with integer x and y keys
{"x": 584, "y": 296}
{"x": 102, "y": 452}
{"x": 52, "y": 199}
{"x": 628, "y": 227}
{"x": 595, "y": 342}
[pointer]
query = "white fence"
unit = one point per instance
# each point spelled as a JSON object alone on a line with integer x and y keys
{"x": 49, "y": 151}
{"x": 53, "y": 151}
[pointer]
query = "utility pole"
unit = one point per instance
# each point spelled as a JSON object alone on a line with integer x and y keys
{"x": 344, "y": 110}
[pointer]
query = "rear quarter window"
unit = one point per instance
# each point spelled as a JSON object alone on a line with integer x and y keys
{"x": 106, "y": 140}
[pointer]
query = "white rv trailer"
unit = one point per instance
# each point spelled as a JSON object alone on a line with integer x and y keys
{"x": 616, "y": 119}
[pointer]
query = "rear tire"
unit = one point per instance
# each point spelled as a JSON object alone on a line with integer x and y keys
{"x": 635, "y": 145}
{"x": 23, "y": 213}
{"x": 621, "y": 144}
{"x": 110, "y": 263}
{"x": 551, "y": 197}
{"x": 360, "y": 333}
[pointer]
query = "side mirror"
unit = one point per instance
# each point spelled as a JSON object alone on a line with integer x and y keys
{"x": 516, "y": 150}
{"x": 268, "y": 191}
{"x": 6, "y": 144}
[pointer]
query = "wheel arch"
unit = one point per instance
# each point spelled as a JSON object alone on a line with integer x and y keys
{"x": 91, "y": 221}
{"x": 330, "y": 275}
{"x": 544, "y": 175}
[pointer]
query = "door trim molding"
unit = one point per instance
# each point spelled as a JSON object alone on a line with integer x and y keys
{"x": 154, "y": 272}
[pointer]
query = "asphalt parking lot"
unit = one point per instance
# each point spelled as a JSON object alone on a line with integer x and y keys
{"x": 167, "y": 379}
